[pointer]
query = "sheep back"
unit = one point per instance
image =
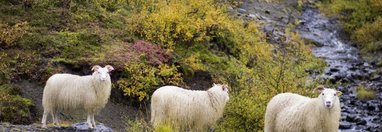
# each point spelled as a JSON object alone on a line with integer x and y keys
{"x": 185, "y": 108}
{"x": 67, "y": 92}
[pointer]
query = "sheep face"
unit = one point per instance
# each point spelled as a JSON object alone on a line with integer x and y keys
{"x": 102, "y": 73}
{"x": 223, "y": 89}
{"x": 328, "y": 96}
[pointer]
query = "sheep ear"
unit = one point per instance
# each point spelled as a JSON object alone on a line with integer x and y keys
{"x": 213, "y": 85}
{"x": 339, "y": 93}
{"x": 96, "y": 67}
{"x": 320, "y": 88}
{"x": 225, "y": 87}
{"x": 109, "y": 67}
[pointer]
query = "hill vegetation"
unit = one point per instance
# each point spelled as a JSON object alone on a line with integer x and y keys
{"x": 150, "y": 43}
{"x": 362, "y": 19}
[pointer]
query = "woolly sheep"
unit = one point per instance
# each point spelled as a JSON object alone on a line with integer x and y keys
{"x": 288, "y": 112}
{"x": 188, "y": 109}
{"x": 67, "y": 92}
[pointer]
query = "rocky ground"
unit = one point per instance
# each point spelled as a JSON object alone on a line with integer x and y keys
{"x": 345, "y": 66}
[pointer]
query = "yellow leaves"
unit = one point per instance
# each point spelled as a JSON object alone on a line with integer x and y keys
{"x": 177, "y": 21}
{"x": 194, "y": 62}
{"x": 143, "y": 79}
{"x": 9, "y": 34}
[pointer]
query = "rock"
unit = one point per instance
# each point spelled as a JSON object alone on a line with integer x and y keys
{"x": 334, "y": 70}
{"x": 253, "y": 16}
{"x": 242, "y": 11}
{"x": 345, "y": 125}
{"x": 301, "y": 22}
{"x": 230, "y": 9}
{"x": 267, "y": 12}
{"x": 285, "y": 20}
{"x": 370, "y": 107}
{"x": 362, "y": 122}
{"x": 269, "y": 28}
{"x": 353, "y": 68}
{"x": 83, "y": 126}
{"x": 376, "y": 78}
{"x": 77, "y": 127}
{"x": 366, "y": 64}
{"x": 350, "y": 118}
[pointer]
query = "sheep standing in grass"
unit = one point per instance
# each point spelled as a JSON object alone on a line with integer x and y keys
{"x": 288, "y": 112}
{"x": 67, "y": 92}
{"x": 188, "y": 109}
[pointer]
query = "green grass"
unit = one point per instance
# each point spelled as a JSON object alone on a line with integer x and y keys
{"x": 365, "y": 94}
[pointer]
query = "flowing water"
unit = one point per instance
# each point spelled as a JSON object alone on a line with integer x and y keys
{"x": 344, "y": 65}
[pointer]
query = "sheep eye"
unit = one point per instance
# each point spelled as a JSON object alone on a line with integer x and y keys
{"x": 335, "y": 94}
{"x": 323, "y": 94}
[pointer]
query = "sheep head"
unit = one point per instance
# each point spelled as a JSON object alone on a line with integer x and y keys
{"x": 102, "y": 73}
{"x": 223, "y": 89}
{"x": 328, "y": 96}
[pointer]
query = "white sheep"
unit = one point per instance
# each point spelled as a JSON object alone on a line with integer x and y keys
{"x": 188, "y": 109}
{"x": 67, "y": 92}
{"x": 288, "y": 112}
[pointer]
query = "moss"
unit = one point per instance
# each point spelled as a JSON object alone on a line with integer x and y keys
{"x": 8, "y": 89}
{"x": 13, "y": 108}
{"x": 137, "y": 125}
{"x": 365, "y": 94}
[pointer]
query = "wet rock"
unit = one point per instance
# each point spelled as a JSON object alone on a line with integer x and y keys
{"x": 78, "y": 127}
{"x": 267, "y": 12}
{"x": 242, "y": 11}
{"x": 269, "y": 28}
{"x": 301, "y": 22}
{"x": 285, "y": 20}
{"x": 376, "y": 78}
{"x": 82, "y": 126}
{"x": 362, "y": 122}
{"x": 353, "y": 68}
{"x": 366, "y": 64}
{"x": 350, "y": 118}
{"x": 334, "y": 70}
{"x": 253, "y": 16}
{"x": 345, "y": 125}
{"x": 230, "y": 9}
{"x": 371, "y": 107}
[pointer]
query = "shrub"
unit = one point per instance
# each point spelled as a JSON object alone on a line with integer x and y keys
{"x": 145, "y": 66}
{"x": 365, "y": 94}
{"x": 361, "y": 19}
{"x": 13, "y": 108}
{"x": 10, "y": 34}
{"x": 140, "y": 80}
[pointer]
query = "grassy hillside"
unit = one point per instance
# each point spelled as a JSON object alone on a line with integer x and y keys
{"x": 151, "y": 44}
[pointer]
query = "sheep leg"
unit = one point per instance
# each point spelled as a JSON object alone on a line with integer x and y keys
{"x": 93, "y": 121}
{"x": 89, "y": 121}
{"x": 53, "y": 118}
{"x": 44, "y": 116}
{"x": 57, "y": 119}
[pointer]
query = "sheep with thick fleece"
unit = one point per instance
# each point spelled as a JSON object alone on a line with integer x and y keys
{"x": 288, "y": 112}
{"x": 188, "y": 109}
{"x": 67, "y": 92}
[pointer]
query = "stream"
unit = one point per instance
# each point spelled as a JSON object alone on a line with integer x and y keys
{"x": 346, "y": 67}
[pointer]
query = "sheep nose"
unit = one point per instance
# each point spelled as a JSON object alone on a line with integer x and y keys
{"x": 328, "y": 104}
